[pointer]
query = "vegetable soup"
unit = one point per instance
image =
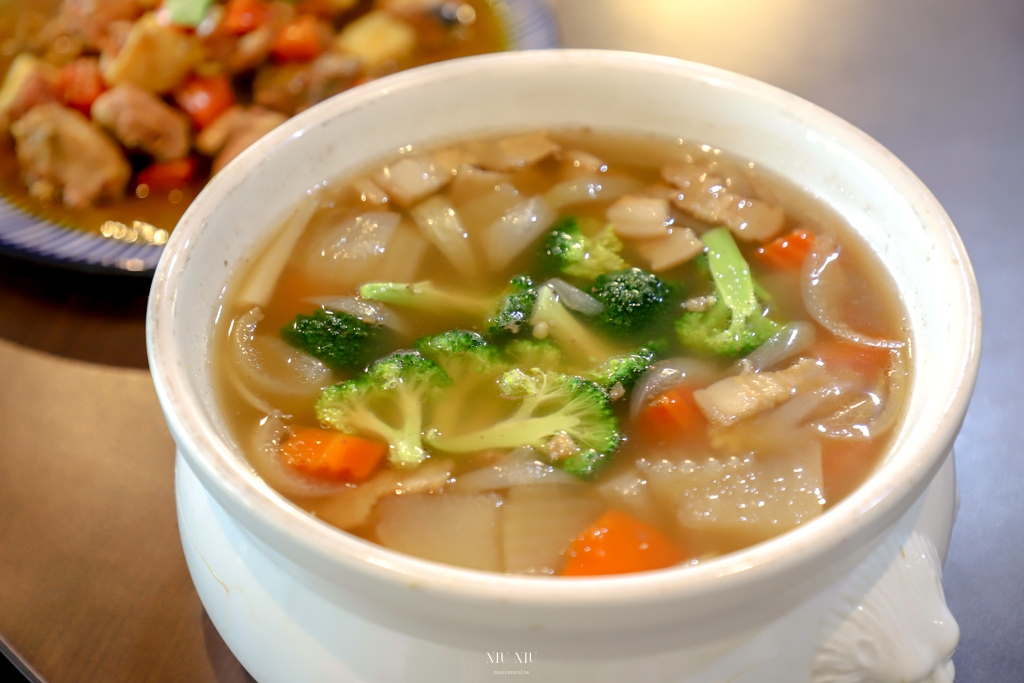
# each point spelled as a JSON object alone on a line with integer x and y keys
{"x": 564, "y": 353}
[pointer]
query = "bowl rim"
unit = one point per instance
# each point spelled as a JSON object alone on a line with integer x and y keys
{"x": 857, "y": 519}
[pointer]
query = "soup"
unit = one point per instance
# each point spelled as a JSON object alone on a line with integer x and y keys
{"x": 563, "y": 353}
{"x": 154, "y": 98}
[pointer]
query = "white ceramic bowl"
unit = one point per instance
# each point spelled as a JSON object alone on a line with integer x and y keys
{"x": 314, "y": 603}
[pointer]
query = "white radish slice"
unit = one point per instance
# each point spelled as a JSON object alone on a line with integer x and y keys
{"x": 679, "y": 246}
{"x": 627, "y": 491}
{"x": 263, "y": 277}
{"x": 346, "y": 251}
{"x": 454, "y": 528}
{"x": 472, "y": 182}
{"x": 403, "y": 256}
{"x": 639, "y": 217}
{"x": 590, "y": 188}
{"x": 510, "y": 235}
{"x": 412, "y": 178}
{"x": 539, "y": 524}
{"x": 439, "y": 223}
{"x": 577, "y": 162}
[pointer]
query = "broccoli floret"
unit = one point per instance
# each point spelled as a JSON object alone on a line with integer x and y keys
{"x": 736, "y": 324}
{"x": 340, "y": 340}
{"x": 535, "y": 353}
{"x": 566, "y": 417}
{"x": 566, "y": 249}
{"x": 470, "y": 362}
{"x": 514, "y": 308}
{"x": 387, "y": 401}
{"x": 632, "y": 299}
{"x": 552, "y": 319}
{"x": 624, "y": 370}
{"x": 425, "y": 296}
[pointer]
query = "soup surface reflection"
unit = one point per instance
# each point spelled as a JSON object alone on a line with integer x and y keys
{"x": 563, "y": 353}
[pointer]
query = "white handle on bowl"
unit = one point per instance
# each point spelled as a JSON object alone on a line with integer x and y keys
{"x": 891, "y": 622}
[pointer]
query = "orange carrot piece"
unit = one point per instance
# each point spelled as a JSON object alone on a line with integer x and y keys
{"x": 242, "y": 16}
{"x": 79, "y": 83}
{"x": 327, "y": 454}
{"x": 298, "y": 41}
{"x": 205, "y": 99}
{"x": 671, "y": 416}
{"x": 836, "y": 353}
{"x": 787, "y": 252}
{"x": 169, "y": 175}
{"x": 618, "y": 544}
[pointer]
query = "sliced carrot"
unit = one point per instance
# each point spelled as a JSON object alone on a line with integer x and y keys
{"x": 787, "y": 252}
{"x": 299, "y": 40}
{"x": 327, "y": 454}
{"x": 205, "y": 98}
{"x": 242, "y": 16}
{"x": 79, "y": 83}
{"x": 845, "y": 465}
{"x": 618, "y": 544}
{"x": 170, "y": 175}
{"x": 836, "y": 353}
{"x": 671, "y": 416}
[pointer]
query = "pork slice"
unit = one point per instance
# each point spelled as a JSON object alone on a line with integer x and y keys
{"x": 143, "y": 121}
{"x": 60, "y": 150}
{"x": 734, "y": 398}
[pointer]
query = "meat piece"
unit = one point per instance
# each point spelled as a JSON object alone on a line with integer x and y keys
{"x": 708, "y": 198}
{"x": 234, "y": 131}
{"x": 155, "y": 57}
{"x": 734, "y": 398}
{"x": 29, "y": 83}
{"x": 90, "y": 19}
{"x": 143, "y": 121}
{"x": 254, "y": 47}
{"x": 330, "y": 74}
{"x": 290, "y": 88}
{"x": 58, "y": 149}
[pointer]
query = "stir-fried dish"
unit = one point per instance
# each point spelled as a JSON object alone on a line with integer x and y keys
{"x": 116, "y": 112}
{"x": 563, "y": 353}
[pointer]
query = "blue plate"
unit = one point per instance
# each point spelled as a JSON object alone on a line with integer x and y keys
{"x": 529, "y": 25}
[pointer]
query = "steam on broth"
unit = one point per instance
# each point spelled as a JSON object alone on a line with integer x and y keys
{"x": 564, "y": 353}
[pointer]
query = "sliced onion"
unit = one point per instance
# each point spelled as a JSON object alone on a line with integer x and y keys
{"x": 519, "y": 468}
{"x": 589, "y": 188}
{"x": 511, "y": 234}
{"x": 819, "y": 293}
{"x": 375, "y": 313}
{"x": 575, "y": 298}
{"x": 870, "y": 413}
{"x": 665, "y": 375}
{"x": 789, "y": 342}
{"x": 266, "y": 460}
{"x": 307, "y": 375}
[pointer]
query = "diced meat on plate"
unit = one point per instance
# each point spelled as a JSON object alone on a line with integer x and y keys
{"x": 29, "y": 83}
{"x": 234, "y": 131}
{"x": 91, "y": 19}
{"x": 143, "y": 121}
{"x": 58, "y": 149}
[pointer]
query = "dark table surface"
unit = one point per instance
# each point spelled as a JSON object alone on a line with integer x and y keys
{"x": 93, "y": 585}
